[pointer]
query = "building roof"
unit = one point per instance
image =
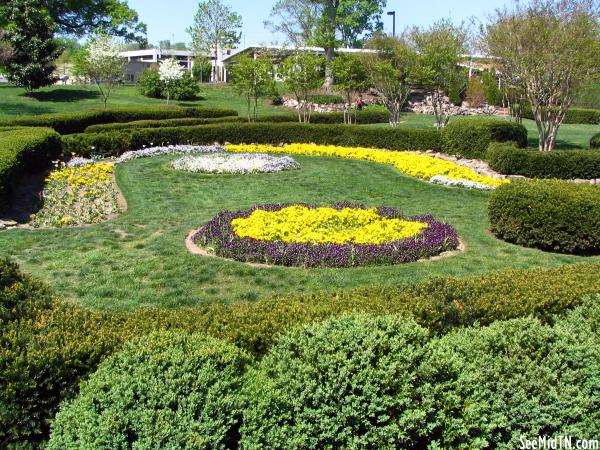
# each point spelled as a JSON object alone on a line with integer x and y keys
{"x": 290, "y": 50}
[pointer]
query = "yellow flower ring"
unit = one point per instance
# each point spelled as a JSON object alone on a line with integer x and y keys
{"x": 343, "y": 235}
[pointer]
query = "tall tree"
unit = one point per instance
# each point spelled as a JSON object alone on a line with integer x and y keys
{"x": 216, "y": 26}
{"x": 33, "y": 49}
{"x": 389, "y": 72}
{"x": 356, "y": 17}
{"x": 303, "y": 73}
{"x": 351, "y": 78}
{"x": 297, "y": 20}
{"x": 547, "y": 49}
{"x": 439, "y": 51}
{"x": 253, "y": 79}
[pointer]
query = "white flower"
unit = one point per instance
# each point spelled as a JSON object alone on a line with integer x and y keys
{"x": 171, "y": 149}
{"x": 240, "y": 163}
{"x": 445, "y": 181}
{"x": 170, "y": 70}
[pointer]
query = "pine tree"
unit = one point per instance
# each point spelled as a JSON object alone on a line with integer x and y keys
{"x": 30, "y": 34}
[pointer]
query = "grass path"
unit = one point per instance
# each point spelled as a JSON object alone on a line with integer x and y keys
{"x": 139, "y": 259}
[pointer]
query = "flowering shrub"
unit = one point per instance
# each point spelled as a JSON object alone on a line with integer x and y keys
{"x": 409, "y": 163}
{"x": 220, "y": 235}
{"x": 324, "y": 225}
{"x": 169, "y": 72}
{"x": 240, "y": 164}
{"x": 76, "y": 196}
{"x": 168, "y": 150}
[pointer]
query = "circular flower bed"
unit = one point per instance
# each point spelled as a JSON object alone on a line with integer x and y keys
{"x": 344, "y": 235}
{"x": 235, "y": 163}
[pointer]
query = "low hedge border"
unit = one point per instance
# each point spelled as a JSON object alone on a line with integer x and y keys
{"x": 548, "y": 214}
{"x": 117, "y": 142}
{"x": 45, "y": 355}
{"x": 561, "y": 164}
{"x": 24, "y": 150}
{"x": 595, "y": 141}
{"x": 469, "y": 137}
{"x": 77, "y": 122}
{"x": 573, "y": 116}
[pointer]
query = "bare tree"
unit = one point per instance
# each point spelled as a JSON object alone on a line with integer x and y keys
{"x": 547, "y": 48}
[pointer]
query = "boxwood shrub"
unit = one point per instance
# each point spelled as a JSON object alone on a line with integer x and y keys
{"x": 165, "y": 390}
{"x": 116, "y": 142}
{"x": 561, "y": 164}
{"x": 183, "y": 122}
{"x": 548, "y": 214}
{"x": 469, "y": 137}
{"x": 44, "y": 356}
{"x": 77, "y": 122}
{"x": 595, "y": 141}
{"x": 24, "y": 150}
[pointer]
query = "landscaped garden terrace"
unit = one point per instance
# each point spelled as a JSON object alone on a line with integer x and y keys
{"x": 294, "y": 224}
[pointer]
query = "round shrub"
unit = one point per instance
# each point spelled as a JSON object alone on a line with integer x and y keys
{"x": 488, "y": 387}
{"x": 548, "y": 214}
{"x": 186, "y": 88}
{"x": 347, "y": 383}
{"x": 595, "y": 141}
{"x": 148, "y": 83}
{"x": 167, "y": 390}
{"x": 469, "y": 137}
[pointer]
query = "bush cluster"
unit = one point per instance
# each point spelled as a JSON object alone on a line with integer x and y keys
{"x": 116, "y": 142}
{"x": 469, "y": 137}
{"x": 573, "y": 116}
{"x": 324, "y": 99}
{"x": 357, "y": 381}
{"x": 149, "y": 84}
{"x": 45, "y": 355}
{"x": 548, "y": 214}
{"x": 595, "y": 142}
{"x": 77, "y": 122}
{"x": 561, "y": 164}
{"x": 24, "y": 150}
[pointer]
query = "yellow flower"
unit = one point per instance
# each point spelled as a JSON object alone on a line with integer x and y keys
{"x": 325, "y": 225}
{"x": 409, "y": 163}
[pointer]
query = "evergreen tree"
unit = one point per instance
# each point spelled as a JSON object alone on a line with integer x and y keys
{"x": 30, "y": 34}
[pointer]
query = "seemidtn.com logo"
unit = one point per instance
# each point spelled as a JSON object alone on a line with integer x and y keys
{"x": 558, "y": 442}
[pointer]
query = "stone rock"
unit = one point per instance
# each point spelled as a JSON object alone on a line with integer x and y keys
{"x": 8, "y": 223}
{"x": 426, "y": 107}
{"x": 2, "y": 226}
{"x": 516, "y": 177}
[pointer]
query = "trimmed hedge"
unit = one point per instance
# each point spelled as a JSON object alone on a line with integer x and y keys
{"x": 43, "y": 357}
{"x": 548, "y": 214}
{"x": 573, "y": 116}
{"x": 562, "y": 164}
{"x": 187, "y": 121}
{"x": 595, "y": 141}
{"x": 165, "y": 390}
{"x": 114, "y": 143}
{"x": 24, "y": 150}
{"x": 77, "y": 122}
{"x": 379, "y": 382}
{"x": 469, "y": 137}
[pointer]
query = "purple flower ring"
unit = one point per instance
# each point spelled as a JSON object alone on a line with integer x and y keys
{"x": 219, "y": 236}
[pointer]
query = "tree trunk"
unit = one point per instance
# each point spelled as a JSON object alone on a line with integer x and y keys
{"x": 329, "y": 55}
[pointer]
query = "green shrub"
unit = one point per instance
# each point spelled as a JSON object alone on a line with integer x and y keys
{"x": 363, "y": 117}
{"x": 186, "y": 121}
{"x": 166, "y": 390}
{"x": 346, "y": 383}
{"x": 574, "y": 116}
{"x": 469, "y": 137}
{"x": 488, "y": 387}
{"x": 148, "y": 83}
{"x": 44, "y": 357}
{"x": 67, "y": 123}
{"x": 24, "y": 150}
{"x": 595, "y": 142}
{"x": 186, "y": 88}
{"x": 327, "y": 99}
{"x": 562, "y": 164}
{"x": 116, "y": 142}
{"x": 548, "y": 214}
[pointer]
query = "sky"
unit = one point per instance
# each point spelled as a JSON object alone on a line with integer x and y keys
{"x": 168, "y": 20}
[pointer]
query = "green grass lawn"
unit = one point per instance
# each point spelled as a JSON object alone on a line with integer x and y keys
{"x": 139, "y": 259}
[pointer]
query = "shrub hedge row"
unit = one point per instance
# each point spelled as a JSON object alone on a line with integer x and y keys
{"x": 548, "y": 214}
{"x": 595, "y": 141}
{"x": 24, "y": 150}
{"x": 574, "y": 116}
{"x": 44, "y": 355}
{"x": 114, "y": 143}
{"x": 562, "y": 164}
{"x": 356, "y": 381}
{"x": 469, "y": 137}
{"x": 77, "y": 122}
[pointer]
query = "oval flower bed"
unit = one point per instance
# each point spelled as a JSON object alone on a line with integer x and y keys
{"x": 409, "y": 163}
{"x": 77, "y": 195}
{"x": 344, "y": 235}
{"x": 235, "y": 163}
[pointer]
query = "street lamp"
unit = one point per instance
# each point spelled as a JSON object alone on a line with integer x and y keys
{"x": 393, "y": 14}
